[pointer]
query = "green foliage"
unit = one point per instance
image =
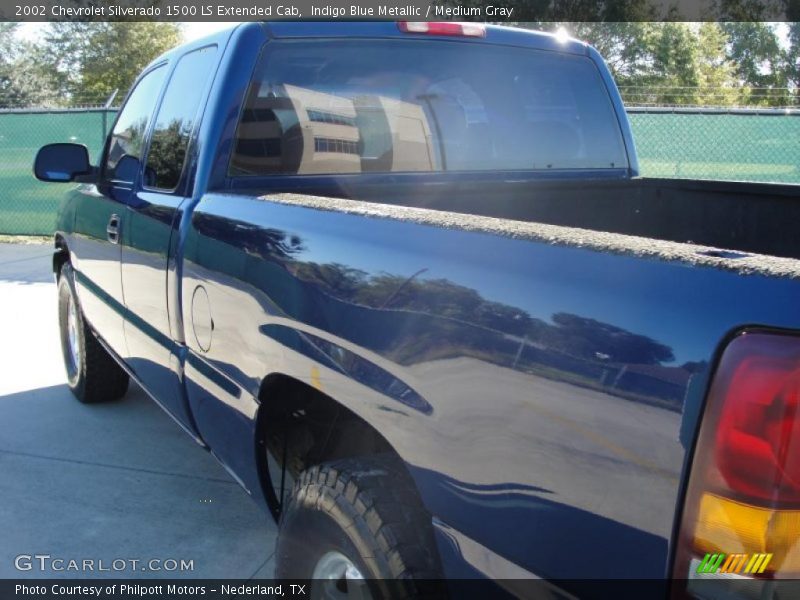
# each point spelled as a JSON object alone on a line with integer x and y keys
{"x": 22, "y": 81}
{"x": 91, "y": 60}
{"x": 713, "y": 64}
{"x": 8, "y": 50}
{"x": 760, "y": 61}
{"x": 793, "y": 53}
{"x": 717, "y": 80}
{"x": 167, "y": 154}
{"x": 8, "y": 43}
{"x": 673, "y": 63}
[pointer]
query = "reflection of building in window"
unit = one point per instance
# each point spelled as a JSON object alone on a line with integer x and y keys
{"x": 319, "y": 116}
{"x": 298, "y": 130}
{"x": 395, "y": 135}
{"x": 337, "y": 146}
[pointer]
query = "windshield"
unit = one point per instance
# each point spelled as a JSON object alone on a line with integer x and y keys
{"x": 366, "y": 106}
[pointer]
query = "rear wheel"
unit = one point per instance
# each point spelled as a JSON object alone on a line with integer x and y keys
{"x": 356, "y": 527}
{"x": 92, "y": 374}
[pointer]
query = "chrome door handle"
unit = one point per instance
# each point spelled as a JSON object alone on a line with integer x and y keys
{"x": 112, "y": 229}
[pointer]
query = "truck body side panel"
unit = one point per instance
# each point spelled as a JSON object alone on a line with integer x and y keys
{"x": 542, "y": 395}
{"x": 542, "y": 383}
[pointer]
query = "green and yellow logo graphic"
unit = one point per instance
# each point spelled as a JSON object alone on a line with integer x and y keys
{"x": 734, "y": 563}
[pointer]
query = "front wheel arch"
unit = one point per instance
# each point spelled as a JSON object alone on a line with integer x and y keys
{"x": 61, "y": 255}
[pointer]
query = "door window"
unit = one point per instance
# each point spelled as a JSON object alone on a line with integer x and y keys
{"x": 176, "y": 119}
{"x": 127, "y": 138}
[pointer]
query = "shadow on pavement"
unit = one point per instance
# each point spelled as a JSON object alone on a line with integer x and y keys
{"x": 119, "y": 481}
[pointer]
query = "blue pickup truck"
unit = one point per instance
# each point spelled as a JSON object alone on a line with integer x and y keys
{"x": 404, "y": 282}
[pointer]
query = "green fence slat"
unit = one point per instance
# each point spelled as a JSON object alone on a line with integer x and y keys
{"x": 737, "y": 147}
{"x": 28, "y": 206}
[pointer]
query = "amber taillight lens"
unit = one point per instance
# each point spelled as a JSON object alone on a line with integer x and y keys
{"x": 742, "y": 513}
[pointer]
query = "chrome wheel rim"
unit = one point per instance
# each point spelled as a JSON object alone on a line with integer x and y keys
{"x": 72, "y": 337}
{"x": 337, "y": 577}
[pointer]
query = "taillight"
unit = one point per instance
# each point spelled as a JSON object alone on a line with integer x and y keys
{"x": 443, "y": 28}
{"x": 742, "y": 513}
{"x": 756, "y": 429}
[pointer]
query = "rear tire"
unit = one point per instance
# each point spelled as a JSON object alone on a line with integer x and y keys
{"x": 92, "y": 374}
{"x": 363, "y": 517}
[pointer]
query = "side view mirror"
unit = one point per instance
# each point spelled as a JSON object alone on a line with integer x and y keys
{"x": 63, "y": 163}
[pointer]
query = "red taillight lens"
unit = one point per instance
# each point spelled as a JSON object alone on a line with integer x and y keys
{"x": 757, "y": 426}
{"x": 443, "y": 28}
{"x": 743, "y": 497}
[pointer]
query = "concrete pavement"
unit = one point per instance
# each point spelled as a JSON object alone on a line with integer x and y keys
{"x": 105, "y": 482}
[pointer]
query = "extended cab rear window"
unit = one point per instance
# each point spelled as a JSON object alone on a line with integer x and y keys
{"x": 367, "y": 106}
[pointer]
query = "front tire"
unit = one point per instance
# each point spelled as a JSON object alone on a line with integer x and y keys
{"x": 359, "y": 524}
{"x": 92, "y": 374}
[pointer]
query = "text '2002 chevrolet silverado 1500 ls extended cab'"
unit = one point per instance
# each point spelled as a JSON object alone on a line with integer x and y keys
{"x": 404, "y": 282}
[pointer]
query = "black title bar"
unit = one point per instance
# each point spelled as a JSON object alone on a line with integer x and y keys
{"x": 502, "y": 11}
{"x": 233, "y": 589}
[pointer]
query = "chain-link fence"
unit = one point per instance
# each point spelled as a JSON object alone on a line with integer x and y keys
{"x": 734, "y": 144}
{"x": 660, "y": 96}
{"x": 28, "y": 206}
{"x": 746, "y": 145}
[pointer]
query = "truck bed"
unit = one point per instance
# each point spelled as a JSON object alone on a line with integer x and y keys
{"x": 739, "y": 216}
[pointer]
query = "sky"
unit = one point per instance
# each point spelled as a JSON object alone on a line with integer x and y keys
{"x": 191, "y": 31}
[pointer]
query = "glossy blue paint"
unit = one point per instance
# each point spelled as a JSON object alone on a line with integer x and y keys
{"x": 543, "y": 396}
{"x": 527, "y": 449}
{"x": 146, "y": 244}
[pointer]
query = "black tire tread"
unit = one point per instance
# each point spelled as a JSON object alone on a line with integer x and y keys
{"x": 382, "y": 502}
{"x": 101, "y": 378}
{"x": 105, "y": 379}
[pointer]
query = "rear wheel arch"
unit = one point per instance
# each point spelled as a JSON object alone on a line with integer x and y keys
{"x": 358, "y": 521}
{"x": 320, "y": 429}
{"x": 377, "y": 522}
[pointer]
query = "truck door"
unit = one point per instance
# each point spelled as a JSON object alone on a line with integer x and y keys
{"x": 152, "y": 219}
{"x": 101, "y": 211}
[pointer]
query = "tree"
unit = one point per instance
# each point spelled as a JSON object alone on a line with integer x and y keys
{"x": 750, "y": 10}
{"x": 760, "y": 61}
{"x": 793, "y": 54}
{"x": 716, "y": 72}
{"x": 22, "y": 81}
{"x": 623, "y": 45}
{"x": 88, "y": 61}
{"x": 8, "y": 43}
{"x": 8, "y": 50}
{"x": 708, "y": 63}
{"x": 644, "y": 57}
{"x": 586, "y": 338}
{"x": 672, "y": 73}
